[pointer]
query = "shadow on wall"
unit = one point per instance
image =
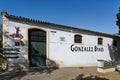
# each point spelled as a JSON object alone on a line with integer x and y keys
{"x": 114, "y": 51}
{"x": 19, "y": 46}
{"x": 14, "y": 53}
{"x": 91, "y": 77}
{"x": 51, "y": 64}
{"x": 17, "y": 66}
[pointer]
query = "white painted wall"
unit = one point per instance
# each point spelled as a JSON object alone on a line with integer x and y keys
{"x": 60, "y": 51}
{"x": 8, "y": 43}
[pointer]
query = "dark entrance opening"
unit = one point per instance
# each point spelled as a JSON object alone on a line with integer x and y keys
{"x": 37, "y": 47}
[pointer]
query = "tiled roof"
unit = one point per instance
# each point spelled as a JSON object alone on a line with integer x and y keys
{"x": 27, "y": 19}
{"x": 19, "y": 18}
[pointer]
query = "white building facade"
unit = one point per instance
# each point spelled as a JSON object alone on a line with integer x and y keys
{"x": 33, "y": 43}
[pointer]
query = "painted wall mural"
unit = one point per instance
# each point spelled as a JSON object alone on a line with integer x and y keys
{"x": 15, "y": 47}
{"x": 17, "y": 37}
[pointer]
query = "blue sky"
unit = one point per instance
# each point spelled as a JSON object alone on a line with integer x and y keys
{"x": 96, "y": 15}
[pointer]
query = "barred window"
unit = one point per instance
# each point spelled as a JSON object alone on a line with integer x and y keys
{"x": 37, "y": 35}
{"x": 100, "y": 41}
{"x": 77, "y": 39}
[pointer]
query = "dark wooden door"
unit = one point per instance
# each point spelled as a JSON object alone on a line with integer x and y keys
{"x": 37, "y": 47}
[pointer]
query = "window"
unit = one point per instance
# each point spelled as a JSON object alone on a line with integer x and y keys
{"x": 114, "y": 43}
{"x": 77, "y": 39}
{"x": 100, "y": 41}
{"x": 37, "y": 36}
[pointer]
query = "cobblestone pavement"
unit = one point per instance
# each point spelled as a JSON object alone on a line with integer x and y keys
{"x": 60, "y": 74}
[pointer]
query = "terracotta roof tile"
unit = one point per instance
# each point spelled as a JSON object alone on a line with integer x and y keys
{"x": 19, "y": 18}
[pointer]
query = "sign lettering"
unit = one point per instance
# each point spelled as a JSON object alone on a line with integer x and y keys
{"x": 76, "y": 48}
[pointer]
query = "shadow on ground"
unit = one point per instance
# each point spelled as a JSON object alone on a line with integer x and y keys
{"x": 43, "y": 70}
{"x": 18, "y": 75}
{"x": 12, "y": 75}
{"x": 91, "y": 77}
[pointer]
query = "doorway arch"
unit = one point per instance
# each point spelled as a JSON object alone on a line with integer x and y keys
{"x": 37, "y": 47}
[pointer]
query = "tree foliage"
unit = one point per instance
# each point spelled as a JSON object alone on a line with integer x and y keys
{"x": 0, "y": 46}
{"x": 118, "y": 19}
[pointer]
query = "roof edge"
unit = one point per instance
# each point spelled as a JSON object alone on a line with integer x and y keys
{"x": 49, "y": 23}
{"x": 4, "y": 13}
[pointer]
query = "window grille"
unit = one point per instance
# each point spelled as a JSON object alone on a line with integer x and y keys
{"x": 100, "y": 41}
{"x": 77, "y": 39}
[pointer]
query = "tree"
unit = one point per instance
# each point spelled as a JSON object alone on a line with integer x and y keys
{"x": 0, "y": 43}
{"x": 118, "y": 20}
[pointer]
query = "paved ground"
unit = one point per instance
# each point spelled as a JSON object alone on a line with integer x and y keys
{"x": 60, "y": 74}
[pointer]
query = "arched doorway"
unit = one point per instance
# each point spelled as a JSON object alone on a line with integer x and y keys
{"x": 37, "y": 47}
